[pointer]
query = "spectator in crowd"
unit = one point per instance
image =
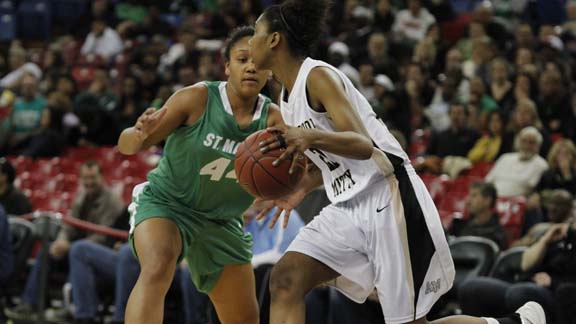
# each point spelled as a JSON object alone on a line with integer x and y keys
{"x": 524, "y": 87}
{"x": 27, "y": 115}
{"x": 18, "y": 68}
{"x": 549, "y": 268}
{"x": 476, "y": 31}
{"x": 339, "y": 56}
{"x": 384, "y": 15}
{"x": 94, "y": 109}
{"x": 482, "y": 220}
{"x": 518, "y": 173}
{"x": 559, "y": 207}
{"x": 379, "y": 57}
{"x": 489, "y": 147}
{"x": 13, "y": 200}
{"x": 102, "y": 41}
{"x": 456, "y": 140}
{"x": 95, "y": 266}
{"x": 501, "y": 88}
{"x": 482, "y": 53}
{"x": 554, "y": 104}
{"x": 524, "y": 115}
{"x": 411, "y": 23}
{"x": 480, "y": 102}
{"x": 437, "y": 113}
{"x": 95, "y": 203}
{"x": 562, "y": 172}
{"x": 390, "y": 105}
{"x": 130, "y": 104}
{"x": 6, "y": 254}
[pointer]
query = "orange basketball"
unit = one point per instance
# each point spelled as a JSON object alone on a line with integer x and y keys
{"x": 257, "y": 175}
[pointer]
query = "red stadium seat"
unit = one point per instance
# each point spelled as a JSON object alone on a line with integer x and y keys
{"x": 437, "y": 186}
{"x": 481, "y": 169}
{"x": 511, "y": 210}
{"x": 454, "y": 201}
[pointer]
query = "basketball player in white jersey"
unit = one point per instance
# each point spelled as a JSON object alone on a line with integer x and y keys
{"x": 382, "y": 229}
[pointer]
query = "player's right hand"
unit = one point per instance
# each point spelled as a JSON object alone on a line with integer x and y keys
{"x": 148, "y": 122}
{"x": 284, "y": 204}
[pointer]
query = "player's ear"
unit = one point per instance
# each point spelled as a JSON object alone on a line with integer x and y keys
{"x": 274, "y": 39}
{"x": 227, "y": 69}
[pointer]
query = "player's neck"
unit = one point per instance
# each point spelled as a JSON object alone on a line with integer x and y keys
{"x": 286, "y": 70}
{"x": 239, "y": 104}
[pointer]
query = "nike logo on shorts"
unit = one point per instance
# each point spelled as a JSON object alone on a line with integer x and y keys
{"x": 381, "y": 209}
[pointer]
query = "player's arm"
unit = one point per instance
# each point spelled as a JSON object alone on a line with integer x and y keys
{"x": 351, "y": 138}
{"x": 183, "y": 107}
{"x": 275, "y": 117}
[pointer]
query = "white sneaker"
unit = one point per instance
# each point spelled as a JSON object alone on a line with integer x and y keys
{"x": 532, "y": 313}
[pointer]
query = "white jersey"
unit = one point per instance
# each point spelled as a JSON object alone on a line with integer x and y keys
{"x": 343, "y": 177}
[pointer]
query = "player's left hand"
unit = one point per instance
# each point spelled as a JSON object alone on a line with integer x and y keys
{"x": 294, "y": 140}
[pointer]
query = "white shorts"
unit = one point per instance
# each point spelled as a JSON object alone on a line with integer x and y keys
{"x": 390, "y": 238}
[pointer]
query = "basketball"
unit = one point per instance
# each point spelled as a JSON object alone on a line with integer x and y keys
{"x": 257, "y": 175}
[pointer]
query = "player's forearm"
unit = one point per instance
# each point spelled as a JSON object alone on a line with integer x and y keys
{"x": 129, "y": 142}
{"x": 313, "y": 180}
{"x": 347, "y": 144}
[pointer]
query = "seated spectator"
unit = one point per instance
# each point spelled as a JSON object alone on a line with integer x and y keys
{"x": 6, "y": 254}
{"x": 437, "y": 113}
{"x": 562, "y": 171}
{"x": 27, "y": 115}
{"x": 480, "y": 100}
{"x": 526, "y": 114}
{"x": 456, "y": 140}
{"x": 501, "y": 88}
{"x": 102, "y": 41}
{"x": 94, "y": 203}
{"x": 488, "y": 147}
{"x": 93, "y": 268}
{"x": 549, "y": 265}
{"x": 554, "y": 104}
{"x": 559, "y": 210}
{"x": 13, "y": 200}
{"x": 518, "y": 173}
{"x": 411, "y": 24}
{"x": 18, "y": 68}
{"x": 339, "y": 56}
{"x": 482, "y": 221}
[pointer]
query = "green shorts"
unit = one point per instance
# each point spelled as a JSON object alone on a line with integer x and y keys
{"x": 207, "y": 245}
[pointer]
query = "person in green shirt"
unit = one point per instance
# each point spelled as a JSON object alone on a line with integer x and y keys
{"x": 191, "y": 207}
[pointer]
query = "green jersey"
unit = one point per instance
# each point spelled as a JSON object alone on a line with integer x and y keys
{"x": 197, "y": 169}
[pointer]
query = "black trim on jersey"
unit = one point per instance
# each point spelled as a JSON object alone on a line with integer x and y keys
{"x": 420, "y": 244}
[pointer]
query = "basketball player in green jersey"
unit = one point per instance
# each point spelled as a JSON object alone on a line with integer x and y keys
{"x": 191, "y": 207}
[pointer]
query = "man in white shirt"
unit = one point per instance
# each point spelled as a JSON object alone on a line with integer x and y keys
{"x": 411, "y": 24}
{"x": 19, "y": 67}
{"x": 103, "y": 41}
{"x": 517, "y": 173}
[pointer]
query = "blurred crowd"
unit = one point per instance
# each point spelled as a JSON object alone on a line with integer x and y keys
{"x": 459, "y": 82}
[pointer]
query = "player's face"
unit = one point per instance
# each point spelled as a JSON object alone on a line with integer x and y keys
{"x": 242, "y": 75}
{"x": 258, "y": 43}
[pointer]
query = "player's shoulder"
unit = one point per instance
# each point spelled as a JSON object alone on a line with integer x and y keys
{"x": 190, "y": 98}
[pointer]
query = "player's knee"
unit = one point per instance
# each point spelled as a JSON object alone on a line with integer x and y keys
{"x": 158, "y": 265}
{"x": 286, "y": 282}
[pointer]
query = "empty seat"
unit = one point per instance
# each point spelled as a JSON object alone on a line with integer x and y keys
{"x": 473, "y": 256}
{"x": 508, "y": 265}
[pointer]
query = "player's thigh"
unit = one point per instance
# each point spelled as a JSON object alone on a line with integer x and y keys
{"x": 234, "y": 295}
{"x": 157, "y": 243}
